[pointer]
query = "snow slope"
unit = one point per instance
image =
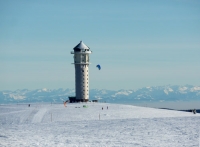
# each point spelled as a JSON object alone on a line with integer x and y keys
{"x": 119, "y": 125}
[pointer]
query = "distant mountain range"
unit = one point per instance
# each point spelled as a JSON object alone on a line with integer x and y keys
{"x": 147, "y": 94}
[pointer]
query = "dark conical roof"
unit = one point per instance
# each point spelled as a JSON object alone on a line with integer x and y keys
{"x": 81, "y": 46}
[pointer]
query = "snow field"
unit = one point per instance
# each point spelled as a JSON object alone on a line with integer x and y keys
{"x": 120, "y": 125}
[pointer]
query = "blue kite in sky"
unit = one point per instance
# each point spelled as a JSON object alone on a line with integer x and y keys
{"x": 98, "y": 66}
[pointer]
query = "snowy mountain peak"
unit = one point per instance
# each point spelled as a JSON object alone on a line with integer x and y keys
{"x": 44, "y": 90}
{"x": 147, "y": 94}
{"x": 17, "y": 96}
{"x": 168, "y": 90}
{"x": 196, "y": 88}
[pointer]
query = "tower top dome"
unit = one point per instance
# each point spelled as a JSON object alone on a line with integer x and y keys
{"x": 81, "y": 46}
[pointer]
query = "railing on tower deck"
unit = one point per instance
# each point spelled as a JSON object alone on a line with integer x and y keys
{"x": 82, "y": 63}
{"x": 82, "y": 52}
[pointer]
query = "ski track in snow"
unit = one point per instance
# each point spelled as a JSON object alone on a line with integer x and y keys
{"x": 39, "y": 115}
{"x": 120, "y": 125}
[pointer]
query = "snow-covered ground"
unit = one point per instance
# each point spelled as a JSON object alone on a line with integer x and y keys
{"x": 119, "y": 125}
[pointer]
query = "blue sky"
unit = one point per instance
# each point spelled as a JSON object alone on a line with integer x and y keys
{"x": 137, "y": 43}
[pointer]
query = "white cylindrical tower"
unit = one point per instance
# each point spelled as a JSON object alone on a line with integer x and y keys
{"x": 81, "y": 63}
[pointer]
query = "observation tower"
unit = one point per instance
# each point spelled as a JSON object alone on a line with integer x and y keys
{"x": 81, "y": 63}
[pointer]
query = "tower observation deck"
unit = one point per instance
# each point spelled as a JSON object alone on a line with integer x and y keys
{"x": 81, "y": 63}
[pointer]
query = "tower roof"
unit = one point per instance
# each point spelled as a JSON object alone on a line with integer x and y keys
{"x": 81, "y": 46}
